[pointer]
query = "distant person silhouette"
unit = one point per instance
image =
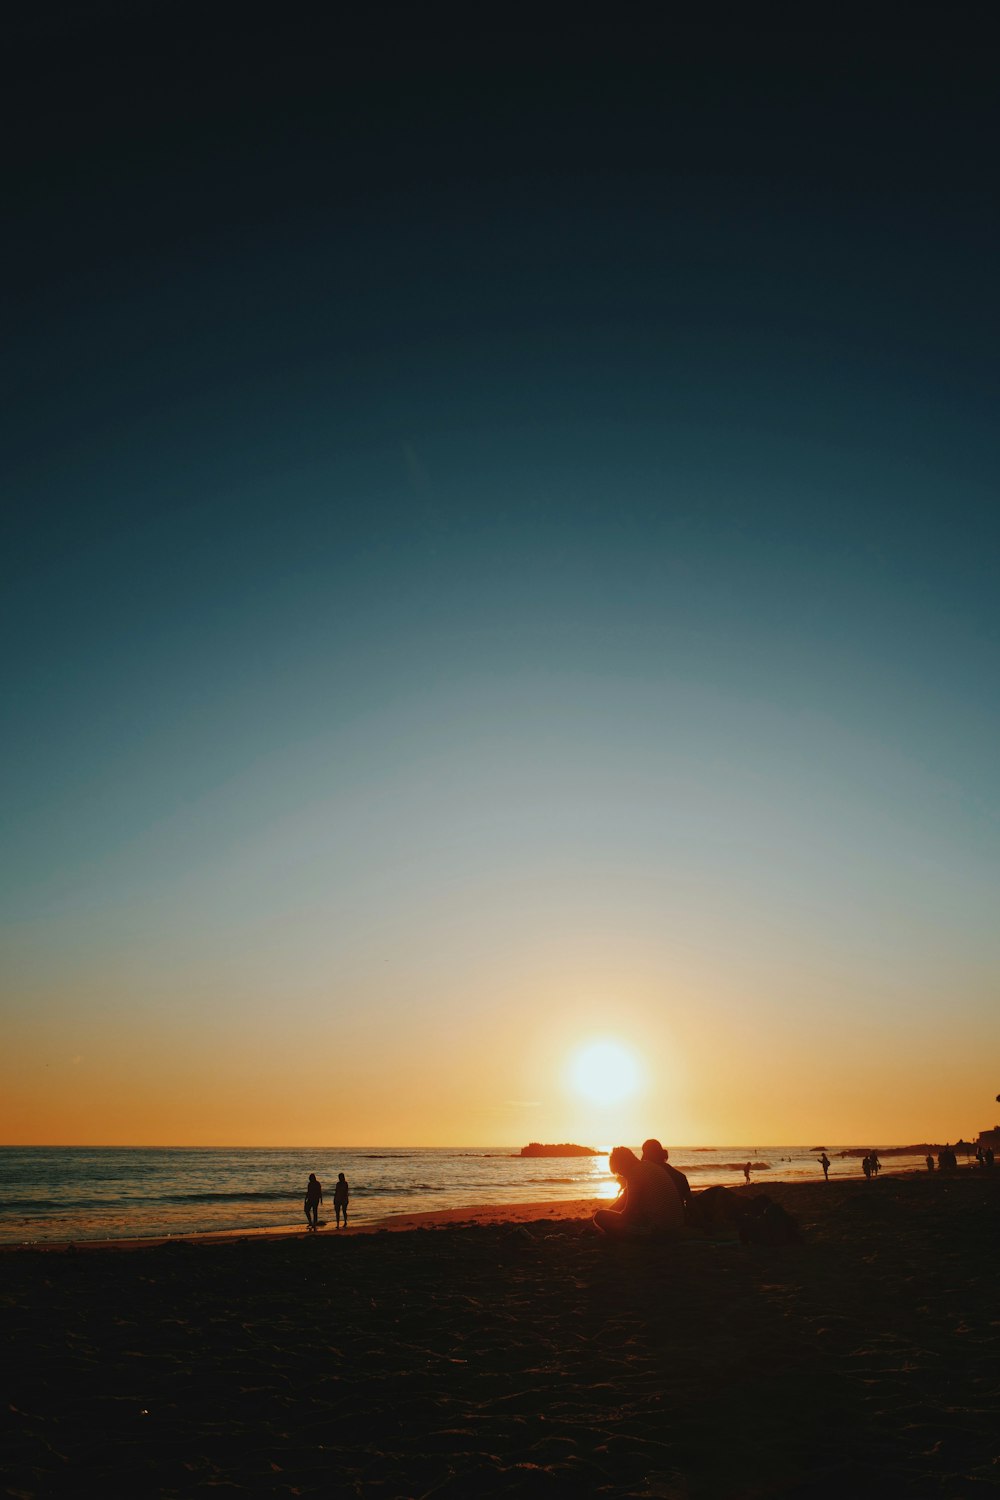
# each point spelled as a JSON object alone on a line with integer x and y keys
{"x": 649, "y": 1204}
{"x": 660, "y": 1156}
{"x": 314, "y": 1197}
{"x": 930, "y": 1162}
{"x": 746, "y": 1175}
{"x": 824, "y": 1162}
{"x": 866, "y": 1167}
{"x": 341, "y": 1198}
{"x": 876, "y": 1164}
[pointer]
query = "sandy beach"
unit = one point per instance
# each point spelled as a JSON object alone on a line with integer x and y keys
{"x": 471, "y": 1353}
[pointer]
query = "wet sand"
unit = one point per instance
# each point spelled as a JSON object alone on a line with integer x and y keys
{"x": 485, "y": 1352}
{"x": 484, "y": 1213}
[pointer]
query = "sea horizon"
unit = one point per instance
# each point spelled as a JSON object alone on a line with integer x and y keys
{"x": 865, "y": 1144}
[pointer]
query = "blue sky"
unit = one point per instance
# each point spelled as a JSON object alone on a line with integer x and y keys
{"x": 502, "y": 521}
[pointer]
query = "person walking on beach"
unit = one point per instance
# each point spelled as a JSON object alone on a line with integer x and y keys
{"x": 314, "y": 1197}
{"x": 341, "y": 1197}
{"x": 824, "y": 1162}
{"x": 660, "y": 1156}
{"x": 746, "y": 1175}
{"x": 876, "y": 1164}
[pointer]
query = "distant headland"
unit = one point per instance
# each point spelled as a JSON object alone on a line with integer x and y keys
{"x": 565, "y": 1149}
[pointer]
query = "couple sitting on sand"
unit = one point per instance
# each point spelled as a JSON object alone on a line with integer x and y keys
{"x": 654, "y": 1194}
{"x": 656, "y": 1200}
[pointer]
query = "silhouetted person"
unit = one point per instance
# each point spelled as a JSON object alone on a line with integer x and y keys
{"x": 341, "y": 1198}
{"x": 930, "y": 1162}
{"x": 824, "y": 1162}
{"x": 746, "y": 1175}
{"x": 876, "y": 1164}
{"x": 660, "y": 1157}
{"x": 314, "y": 1197}
{"x": 649, "y": 1204}
{"x": 866, "y": 1166}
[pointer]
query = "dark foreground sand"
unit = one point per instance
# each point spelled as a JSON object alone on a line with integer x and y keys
{"x": 475, "y": 1359}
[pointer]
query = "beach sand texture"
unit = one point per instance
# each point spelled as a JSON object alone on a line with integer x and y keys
{"x": 477, "y": 1358}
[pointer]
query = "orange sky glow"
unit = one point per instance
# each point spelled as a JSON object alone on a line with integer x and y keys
{"x": 713, "y": 1068}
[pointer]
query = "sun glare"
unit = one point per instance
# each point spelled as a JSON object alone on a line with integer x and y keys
{"x": 605, "y": 1072}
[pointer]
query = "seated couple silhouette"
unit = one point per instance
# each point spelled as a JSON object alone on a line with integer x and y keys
{"x": 656, "y": 1200}
{"x": 654, "y": 1195}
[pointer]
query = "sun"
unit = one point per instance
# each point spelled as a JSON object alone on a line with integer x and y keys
{"x": 605, "y": 1072}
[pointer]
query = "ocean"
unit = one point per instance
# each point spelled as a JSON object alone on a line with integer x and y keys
{"x": 50, "y": 1193}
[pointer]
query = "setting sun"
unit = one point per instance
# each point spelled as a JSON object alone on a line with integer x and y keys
{"x": 605, "y": 1072}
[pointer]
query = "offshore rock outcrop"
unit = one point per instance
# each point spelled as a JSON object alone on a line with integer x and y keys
{"x": 535, "y": 1148}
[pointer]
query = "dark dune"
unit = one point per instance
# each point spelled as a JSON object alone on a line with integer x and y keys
{"x": 477, "y": 1359}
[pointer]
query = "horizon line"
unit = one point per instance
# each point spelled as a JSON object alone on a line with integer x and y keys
{"x": 452, "y": 1146}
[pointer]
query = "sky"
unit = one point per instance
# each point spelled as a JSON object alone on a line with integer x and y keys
{"x": 499, "y": 555}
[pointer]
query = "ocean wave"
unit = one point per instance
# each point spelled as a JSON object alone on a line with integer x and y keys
{"x": 397, "y": 1189}
{"x": 246, "y": 1195}
{"x": 24, "y": 1205}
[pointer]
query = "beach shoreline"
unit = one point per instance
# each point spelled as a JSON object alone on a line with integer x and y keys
{"x": 98, "y": 1194}
{"x": 442, "y": 1218}
{"x": 486, "y": 1213}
